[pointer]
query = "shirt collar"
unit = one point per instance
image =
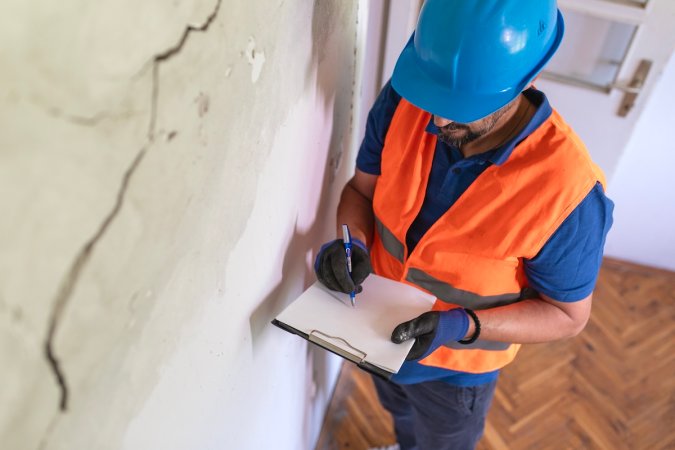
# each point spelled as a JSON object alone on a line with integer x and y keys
{"x": 499, "y": 155}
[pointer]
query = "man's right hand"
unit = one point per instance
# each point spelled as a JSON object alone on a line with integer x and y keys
{"x": 331, "y": 266}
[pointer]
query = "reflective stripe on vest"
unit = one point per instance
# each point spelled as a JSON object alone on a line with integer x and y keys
{"x": 389, "y": 241}
{"x": 480, "y": 344}
{"x": 450, "y": 294}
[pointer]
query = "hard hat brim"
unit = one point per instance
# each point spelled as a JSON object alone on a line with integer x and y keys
{"x": 416, "y": 86}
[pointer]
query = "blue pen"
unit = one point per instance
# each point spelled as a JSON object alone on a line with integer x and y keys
{"x": 347, "y": 238}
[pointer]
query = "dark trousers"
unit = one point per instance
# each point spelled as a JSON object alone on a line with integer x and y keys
{"x": 436, "y": 415}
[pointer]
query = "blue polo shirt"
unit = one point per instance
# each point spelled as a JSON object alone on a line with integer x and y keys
{"x": 565, "y": 269}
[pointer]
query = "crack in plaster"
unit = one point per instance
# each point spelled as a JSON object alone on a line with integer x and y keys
{"x": 94, "y": 119}
{"x": 69, "y": 283}
{"x": 78, "y": 120}
{"x": 86, "y": 121}
{"x": 170, "y": 52}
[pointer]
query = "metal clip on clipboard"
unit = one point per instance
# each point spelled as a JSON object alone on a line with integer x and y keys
{"x": 314, "y": 337}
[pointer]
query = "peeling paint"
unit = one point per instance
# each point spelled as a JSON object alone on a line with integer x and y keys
{"x": 202, "y": 102}
{"x": 255, "y": 58}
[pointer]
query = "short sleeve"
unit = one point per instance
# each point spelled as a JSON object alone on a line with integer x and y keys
{"x": 377, "y": 125}
{"x": 566, "y": 268}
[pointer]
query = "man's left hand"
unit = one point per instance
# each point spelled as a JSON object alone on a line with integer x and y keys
{"x": 431, "y": 330}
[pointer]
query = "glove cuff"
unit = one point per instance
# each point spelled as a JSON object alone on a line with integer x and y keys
{"x": 452, "y": 326}
{"x": 360, "y": 244}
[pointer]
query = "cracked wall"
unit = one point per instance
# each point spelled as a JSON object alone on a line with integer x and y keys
{"x": 166, "y": 170}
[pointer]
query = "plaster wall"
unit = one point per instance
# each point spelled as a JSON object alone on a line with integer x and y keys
{"x": 166, "y": 171}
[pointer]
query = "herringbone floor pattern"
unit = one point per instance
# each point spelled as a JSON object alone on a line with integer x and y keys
{"x": 610, "y": 388}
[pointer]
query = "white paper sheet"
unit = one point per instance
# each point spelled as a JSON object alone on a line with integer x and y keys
{"x": 381, "y": 306}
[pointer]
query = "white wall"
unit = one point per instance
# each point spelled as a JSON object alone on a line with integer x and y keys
{"x": 643, "y": 186}
{"x": 166, "y": 171}
{"x": 400, "y": 22}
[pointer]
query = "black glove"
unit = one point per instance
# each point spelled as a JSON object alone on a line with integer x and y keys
{"x": 431, "y": 330}
{"x": 331, "y": 266}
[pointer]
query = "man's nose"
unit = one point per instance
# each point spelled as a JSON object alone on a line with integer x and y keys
{"x": 441, "y": 122}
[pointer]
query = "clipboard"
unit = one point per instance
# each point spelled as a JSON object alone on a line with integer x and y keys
{"x": 357, "y": 357}
{"x": 361, "y": 334}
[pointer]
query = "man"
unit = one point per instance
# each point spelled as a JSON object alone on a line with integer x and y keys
{"x": 471, "y": 187}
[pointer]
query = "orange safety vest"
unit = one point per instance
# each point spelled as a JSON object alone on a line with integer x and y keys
{"x": 472, "y": 256}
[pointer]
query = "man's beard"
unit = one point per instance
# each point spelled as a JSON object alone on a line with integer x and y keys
{"x": 445, "y": 132}
{"x": 457, "y": 140}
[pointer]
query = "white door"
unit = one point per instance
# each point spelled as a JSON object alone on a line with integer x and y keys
{"x": 611, "y": 56}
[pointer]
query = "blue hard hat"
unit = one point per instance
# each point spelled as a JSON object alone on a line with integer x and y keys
{"x": 468, "y": 58}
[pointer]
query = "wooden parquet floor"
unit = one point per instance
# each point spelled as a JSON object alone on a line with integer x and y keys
{"x": 610, "y": 388}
